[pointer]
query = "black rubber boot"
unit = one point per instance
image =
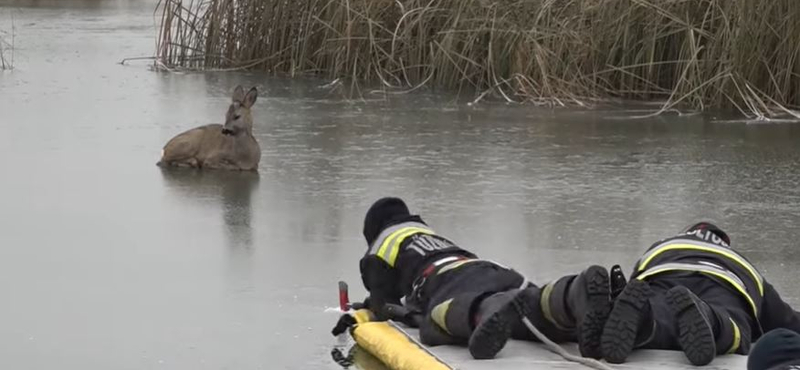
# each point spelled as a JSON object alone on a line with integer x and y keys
{"x": 575, "y": 308}
{"x": 618, "y": 281}
{"x": 695, "y": 325}
{"x": 590, "y": 304}
{"x": 627, "y": 323}
{"x": 495, "y": 317}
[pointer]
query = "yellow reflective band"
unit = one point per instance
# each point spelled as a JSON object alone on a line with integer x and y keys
{"x": 392, "y": 230}
{"x": 396, "y": 246}
{"x": 391, "y": 245}
{"x": 755, "y": 275}
{"x": 722, "y": 276}
{"x": 389, "y": 240}
{"x": 439, "y": 314}
{"x": 392, "y": 238}
{"x": 737, "y": 338}
{"x": 544, "y": 302}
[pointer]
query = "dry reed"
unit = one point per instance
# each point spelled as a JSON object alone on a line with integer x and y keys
{"x": 6, "y": 52}
{"x": 5, "y": 63}
{"x": 7, "y": 46}
{"x": 702, "y": 54}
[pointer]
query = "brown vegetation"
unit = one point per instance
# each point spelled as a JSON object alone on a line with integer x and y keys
{"x": 743, "y": 54}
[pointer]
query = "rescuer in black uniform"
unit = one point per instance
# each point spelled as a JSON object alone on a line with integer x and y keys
{"x": 692, "y": 292}
{"x": 459, "y": 299}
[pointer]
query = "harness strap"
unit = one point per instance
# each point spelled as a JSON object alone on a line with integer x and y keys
{"x": 431, "y": 268}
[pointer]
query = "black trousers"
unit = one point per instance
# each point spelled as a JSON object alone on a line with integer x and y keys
{"x": 450, "y": 299}
{"x": 727, "y": 304}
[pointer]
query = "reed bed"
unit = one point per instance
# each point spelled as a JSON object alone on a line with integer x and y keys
{"x": 742, "y": 54}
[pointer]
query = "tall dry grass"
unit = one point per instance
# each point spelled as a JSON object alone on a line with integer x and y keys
{"x": 6, "y": 52}
{"x": 4, "y": 64}
{"x": 701, "y": 53}
{"x": 7, "y": 46}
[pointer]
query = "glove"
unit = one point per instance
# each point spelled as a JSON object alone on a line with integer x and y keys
{"x": 402, "y": 314}
{"x": 359, "y": 305}
{"x": 345, "y": 322}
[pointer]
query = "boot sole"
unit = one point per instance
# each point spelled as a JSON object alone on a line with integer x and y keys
{"x": 491, "y": 335}
{"x": 622, "y": 326}
{"x": 695, "y": 334}
{"x": 597, "y": 312}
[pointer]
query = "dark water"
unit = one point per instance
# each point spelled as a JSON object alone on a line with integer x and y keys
{"x": 106, "y": 261}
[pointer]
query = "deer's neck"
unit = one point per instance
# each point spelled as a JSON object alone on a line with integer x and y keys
{"x": 242, "y": 133}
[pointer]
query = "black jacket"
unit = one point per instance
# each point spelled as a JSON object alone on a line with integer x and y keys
{"x": 390, "y": 276}
{"x": 703, "y": 251}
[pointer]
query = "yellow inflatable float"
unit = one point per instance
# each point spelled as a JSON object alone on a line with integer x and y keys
{"x": 398, "y": 348}
{"x": 392, "y": 345}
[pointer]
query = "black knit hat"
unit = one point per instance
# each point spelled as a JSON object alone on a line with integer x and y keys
{"x": 708, "y": 226}
{"x": 383, "y": 213}
{"x": 778, "y": 349}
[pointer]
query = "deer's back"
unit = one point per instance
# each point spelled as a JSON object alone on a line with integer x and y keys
{"x": 190, "y": 144}
{"x": 207, "y": 146}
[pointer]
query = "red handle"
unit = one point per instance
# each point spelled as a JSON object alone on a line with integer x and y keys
{"x": 344, "y": 300}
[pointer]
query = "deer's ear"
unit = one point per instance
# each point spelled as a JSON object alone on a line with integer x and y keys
{"x": 238, "y": 94}
{"x": 250, "y": 98}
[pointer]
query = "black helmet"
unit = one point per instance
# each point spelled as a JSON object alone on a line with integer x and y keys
{"x": 383, "y": 213}
{"x": 775, "y": 350}
{"x": 708, "y": 226}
